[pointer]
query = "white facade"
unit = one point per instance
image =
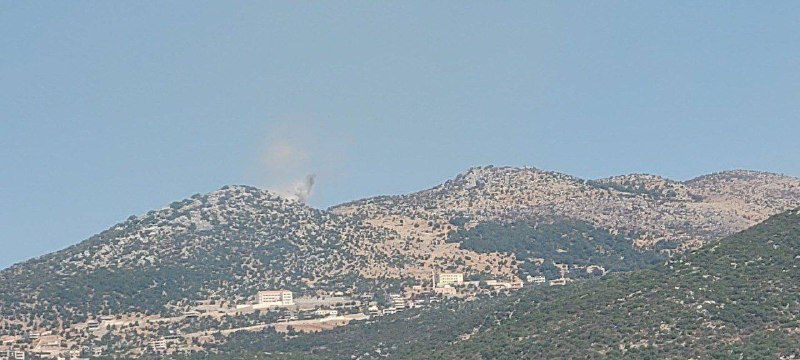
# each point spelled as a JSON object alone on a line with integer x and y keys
{"x": 389, "y": 311}
{"x": 275, "y": 298}
{"x": 159, "y": 345}
{"x": 398, "y": 302}
{"x": 12, "y": 355}
{"x": 323, "y": 312}
{"x": 504, "y": 284}
{"x": 536, "y": 279}
{"x": 447, "y": 290}
{"x": 450, "y": 279}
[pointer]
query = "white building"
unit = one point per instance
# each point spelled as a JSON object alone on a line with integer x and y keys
{"x": 398, "y": 302}
{"x": 159, "y": 345}
{"x": 445, "y": 291}
{"x": 12, "y": 355}
{"x": 324, "y": 312}
{"x": 504, "y": 284}
{"x": 389, "y": 311}
{"x": 536, "y": 279}
{"x": 449, "y": 279}
{"x": 274, "y": 298}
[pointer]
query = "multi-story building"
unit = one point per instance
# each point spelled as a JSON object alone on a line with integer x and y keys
{"x": 449, "y": 279}
{"x": 12, "y": 355}
{"x": 536, "y": 279}
{"x": 398, "y": 302}
{"x": 159, "y": 345}
{"x": 275, "y": 298}
{"x": 389, "y": 311}
{"x": 445, "y": 291}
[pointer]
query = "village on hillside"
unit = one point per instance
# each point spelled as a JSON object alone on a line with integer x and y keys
{"x": 211, "y": 321}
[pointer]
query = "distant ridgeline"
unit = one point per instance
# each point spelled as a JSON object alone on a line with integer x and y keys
{"x": 738, "y": 298}
{"x": 568, "y": 242}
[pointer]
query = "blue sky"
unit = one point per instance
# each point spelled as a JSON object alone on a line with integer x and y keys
{"x": 110, "y": 109}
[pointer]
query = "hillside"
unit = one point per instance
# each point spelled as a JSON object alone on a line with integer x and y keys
{"x": 214, "y": 252}
{"x": 227, "y": 244}
{"x": 737, "y": 298}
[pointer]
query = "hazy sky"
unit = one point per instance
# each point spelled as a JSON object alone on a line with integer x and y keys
{"x": 110, "y": 108}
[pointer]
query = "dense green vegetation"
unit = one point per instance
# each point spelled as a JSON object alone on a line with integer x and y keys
{"x": 569, "y": 242}
{"x": 738, "y": 298}
{"x": 734, "y": 299}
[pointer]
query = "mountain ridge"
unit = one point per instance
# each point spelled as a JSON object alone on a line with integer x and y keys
{"x": 730, "y": 172}
{"x": 228, "y": 244}
{"x": 492, "y": 192}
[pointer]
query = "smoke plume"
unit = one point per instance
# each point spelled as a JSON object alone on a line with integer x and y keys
{"x": 302, "y": 189}
{"x": 297, "y": 149}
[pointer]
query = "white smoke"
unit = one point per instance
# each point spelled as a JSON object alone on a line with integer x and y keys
{"x": 286, "y": 158}
{"x": 295, "y": 147}
{"x": 301, "y": 190}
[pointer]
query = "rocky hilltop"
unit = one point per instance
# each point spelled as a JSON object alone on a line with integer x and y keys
{"x": 648, "y": 207}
